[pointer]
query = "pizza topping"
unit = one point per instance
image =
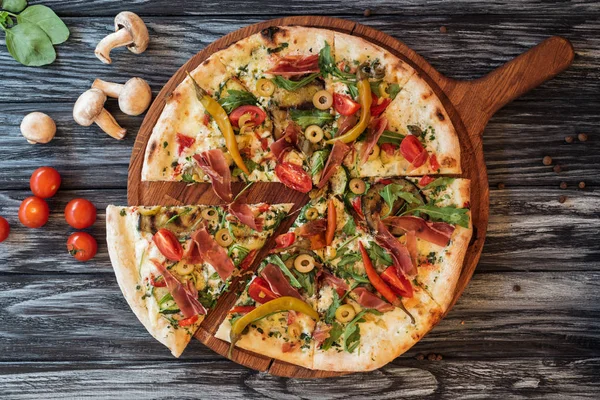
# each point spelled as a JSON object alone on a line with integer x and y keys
{"x": 183, "y": 142}
{"x": 411, "y": 246}
{"x": 331, "y": 222}
{"x": 186, "y": 296}
{"x": 399, "y": 252}
{"x": 285, "y": 303}
{"x": 293, "y": 176}
{"x": 345, "y": 123}
{"x": 223, "y": 237}
{"x": 438, "y": 233}
{"x": 157, "y": 281}
{"x": 192, "y": 254}
{"x": 377, "y": 283}
{"x": 295, "y": 65}
{"x": 376, "y": 128}
{"x": 188, "y": 321}
{"x": 248, "y": 260}
{"x": 212, "y": 253}
{"x": 315, "y": 232}
{"x": 321, "y": 333}
{"x": 285, "y": 240}
{"x": 255, "y": 113}
{"x": 345, "y": 313}
{"x": 336, "y": 157}
{"x": 344, "y": 105}
{"x": 241, "y": 309}
{"x": 378, "y": 105}
{"x": 414, "y": 152}
{"x": 313, "y": 133}
{"x": 323, "y": 100}
{"x": 288, "y": 141}
{"x": 265, "y": 87}
{"x": 304, "y": 263}
{"x": 367, "y": 299}
{"x": 214, "y": 164}
{"x": 435, "y": 166}
{"x": 398, "y": 282}
{"x": 245, "y": 214}
{"x": 340, "y": 285}
{"x": 426, "y": 180}
{"x": 260, "y": 291}
{"x": 168, "y": 244}
{"x": 277, "y": 281}
{"x": 222, "y": 119}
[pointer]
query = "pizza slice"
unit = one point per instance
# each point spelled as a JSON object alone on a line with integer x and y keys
{"x": 173, "y": 263}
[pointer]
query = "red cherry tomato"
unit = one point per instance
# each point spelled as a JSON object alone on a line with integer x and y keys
{"x": 413, "y": 151}
{"x": 44, "y": 182}
{"x": 34, "y": 212}
{"x": 183, "y": 142}
{"x": 260, "y": 291}
{"x": 4, "y": 229}
{"x": 258, "y": 115}
{"x": 168, "y": 245}
{"x": 399, "y": 284}
{"x": 188, "y": 321}
{"x": 376, "y": 107}
{"x": 80, "y": 213}
{"x": 285, "y": 240}
{"x": 389, "y": 148}
{"x": 82, "y": 246}
{"x": 426, "y": 180}
{"x": 294, "y": 177}
{"x": 344, "y": 104}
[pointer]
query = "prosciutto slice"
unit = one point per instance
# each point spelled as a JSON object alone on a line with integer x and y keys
{"x": 192, "y": 255}
{"x": 367, "y": 299}
{"x": 296, "y": 65}
{"x": 287, "y": 141}
{"x": 212, "y": 253}
{"x": 278, "y": 282}
{"x": 376, "y": 128}
{"x": 399, "y": 252}
{"x": 321, "y": 333}
{"x": 186, "y": 296}
{"x": 245, "y": 214}
{"x": 314, "y": 231}
{"x": 340, "y": 285}
{"x": 338, "y": 152}
{"x": 434, "y": 232}
{"x": 214, "y": 164}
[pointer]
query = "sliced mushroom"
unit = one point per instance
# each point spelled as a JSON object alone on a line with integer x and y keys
{"x": 38, "y": 127}
{"x": 89, "y": 108}
{"x": 134, "y": 96}
{"x": 130, "y": 31}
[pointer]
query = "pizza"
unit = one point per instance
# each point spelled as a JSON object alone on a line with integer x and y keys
{"x": 370, "y": 263}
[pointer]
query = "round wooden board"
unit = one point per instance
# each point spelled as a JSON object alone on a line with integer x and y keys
{"x": 469, "y": 104}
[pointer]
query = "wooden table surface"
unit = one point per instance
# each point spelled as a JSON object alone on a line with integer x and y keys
{"x": 528, "y": 323}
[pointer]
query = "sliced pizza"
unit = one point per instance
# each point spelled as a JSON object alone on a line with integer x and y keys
{"x": 173, "y": 263}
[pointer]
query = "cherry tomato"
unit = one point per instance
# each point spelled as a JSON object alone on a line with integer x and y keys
{"x": 258, "y": 115}
{"x": 389, "y": 148}
{"x": 168, "y": 245}
{"x": 82, "y": 246}
{"x": 80, "y": 213}
{"x": 188, "y": 321}
{"x": 344, "y": 104}
{"x": 157, "y": 282}
{"x": 413, "y": 151}
{"x": 34, "y": 212}
{"x": 376, "y": 107}
{"x": 44, "y": 182}
{"x": 426, "y": 180}
{"x": 260, "y": 291}
{"x": 294, "y": 177}
{"x": 285, "y": 240}
{"x": 183, "y": 142}
{"x": 398, "y": 283}
{"x": 4, "y": 229}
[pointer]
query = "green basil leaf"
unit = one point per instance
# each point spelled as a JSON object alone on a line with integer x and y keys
{"x": 277, "y": 261}
{"x": 29, "y": 45}
{"x": 47, "y": 20}
{"x": 304, "y": 118}
{"x": 391, "y": 137}
{"x": 394, "y": 191}
{"x": 14, "y": 6}
{"x": 290, "y": 85}
{"x": 235, "y": 99}
{"x": 449, "y": 214}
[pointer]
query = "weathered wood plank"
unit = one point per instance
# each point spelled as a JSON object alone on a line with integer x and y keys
{"x": 451, "y": 379}
{"x": 529, "y": 230}
{"x": 44, "y": 315}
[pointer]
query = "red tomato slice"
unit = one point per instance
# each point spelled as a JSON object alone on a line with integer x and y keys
{"x": 285, "y": 240}
{"x": 357, "y": 205}
{"x": 344, "y": 104}
{"x": 241, "y": 309}
{"x": 413, "y": 151}
{"x": 294, "y": 177}
{"x": 426, "y": 180}
{"x": 260, "y": 291}
{"x": 247, "y": 262}
{"x": 184, "y": 142}
{"x": 157, "y": 282}
{"x": 376, "y": 108}
{"x": 435, "y": 165}
{"x": 389, "y": 148}
{"x": 399, "y": 284}
{"x": 188, "y": 321}
{"x": 258, "y": 115}
{"x": 168, "y": 245}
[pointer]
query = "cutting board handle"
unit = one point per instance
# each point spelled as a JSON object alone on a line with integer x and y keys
{"x": 476, "y": 101}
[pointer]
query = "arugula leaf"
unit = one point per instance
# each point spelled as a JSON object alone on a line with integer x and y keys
{"x": 307, "y": 281}
{"x": 347, "y": 271}
{"x": 305, "y": 118}
{"x": 242, "y": 252}
{"x": 353, "y": 90}
{"x": 439, "y": 182}
{"x": 391, "y": 137}
{"x": 393, "y": 90}
{"x": 250, "y": 164}
{"x": 378, "y": 254}
{"x": 449, "y": 214}
{"x": 330, "y": 313}
{"x": 235, "y": 99}
{"x": 328, "y": 66}
{"x": 390, "y": 193}
{"x": 277, "y": 261}
{"x": 349, "y": 227}
{"x": 207, "y": 300}
{"x": 290, "y": 85}
{"x": 318, "y": 161}
{"x": 334, "y": 334}
{"x": 278, "y": 48}
{"x": 351, "y": 336}
{"x": 348, "y": 259}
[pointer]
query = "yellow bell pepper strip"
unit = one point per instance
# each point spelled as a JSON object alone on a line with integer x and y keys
{"x": 285, "y": 303}
{"x": 220, "y": 116}
{"x": 365, "y": 99}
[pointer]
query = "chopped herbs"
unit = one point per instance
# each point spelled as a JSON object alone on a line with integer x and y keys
{"x": 235, "y": 99}
{"x": 304, "y": 118}
{"x": 165, "y": 144}
{"x": 393, "y": 90}
{"x": 123, "y": 213}
{"x": 394, "y": 191}
{"x": 278, "y": 48}
{"x": 290, "y": 85}
{"x": 449, "y": 214}
{"x": 188, "y": 178}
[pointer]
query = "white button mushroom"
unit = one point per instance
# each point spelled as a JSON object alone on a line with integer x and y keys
{"x": 134, "y": 96}
{"x": 89, "y": 108}
{"x": 38, "y": 127}
{"x": 130, "y": 31}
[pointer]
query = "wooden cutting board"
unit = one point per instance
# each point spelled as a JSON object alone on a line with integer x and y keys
{"x": 470, "y": 105}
